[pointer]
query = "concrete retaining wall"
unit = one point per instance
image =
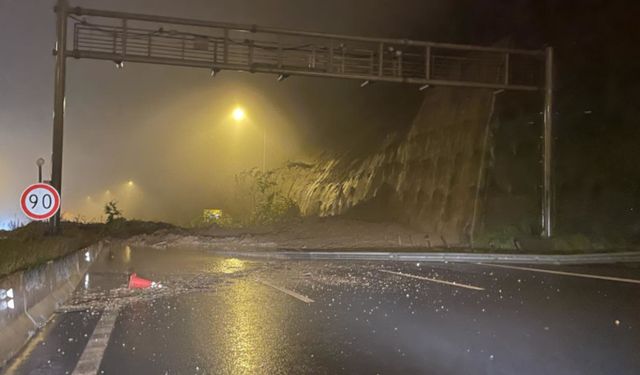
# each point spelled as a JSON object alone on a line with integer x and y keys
{"x": 36, "y": 294}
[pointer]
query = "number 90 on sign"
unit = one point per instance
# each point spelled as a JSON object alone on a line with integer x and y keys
{"x": 40, "y": 201}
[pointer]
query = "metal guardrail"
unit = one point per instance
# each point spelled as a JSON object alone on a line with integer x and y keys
{"x": 173, "y": 41}
{"x": 601, "y": 258}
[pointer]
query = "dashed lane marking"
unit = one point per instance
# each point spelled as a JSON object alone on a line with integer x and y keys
{"x": 563, "y": 273}
{"x": 293, "y": 294}
{"x": 91, "y": 357}
{"x": 452, "y": 283}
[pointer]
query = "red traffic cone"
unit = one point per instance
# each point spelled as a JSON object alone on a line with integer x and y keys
{"x": 136, "y": 282}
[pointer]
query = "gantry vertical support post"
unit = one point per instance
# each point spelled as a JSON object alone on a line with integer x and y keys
{"x": 547, "y": 225}
{"x": 58, "y": 104}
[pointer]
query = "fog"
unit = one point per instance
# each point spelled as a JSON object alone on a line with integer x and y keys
{"x": 166, "y": 129}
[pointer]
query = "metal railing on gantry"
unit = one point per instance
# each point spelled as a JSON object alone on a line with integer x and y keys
{"x": 119, "y": 37}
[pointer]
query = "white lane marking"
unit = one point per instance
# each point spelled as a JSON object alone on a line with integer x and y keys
{"x": 287, "y": 291}
{"x": 600, "y": 277}
{"x": 452, "y": 283}
{"x": 91, "y": 357}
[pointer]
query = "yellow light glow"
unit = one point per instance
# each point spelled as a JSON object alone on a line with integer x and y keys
{"x": 228, "y": 265}
{"x": 130, "y": 183}
{"x": 238, "y": 114}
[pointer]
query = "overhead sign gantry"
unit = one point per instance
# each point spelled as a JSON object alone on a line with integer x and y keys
{"x": 131, "y": 37}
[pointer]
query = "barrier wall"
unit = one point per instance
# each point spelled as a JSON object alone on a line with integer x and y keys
{"x": 30, "y": 298}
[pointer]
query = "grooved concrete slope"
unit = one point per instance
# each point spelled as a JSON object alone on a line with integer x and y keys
{"x": 426, "y": 178}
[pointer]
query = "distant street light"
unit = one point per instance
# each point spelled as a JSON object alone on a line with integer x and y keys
{"x": 40, "y": 163}
{"x": 130, "y": 183}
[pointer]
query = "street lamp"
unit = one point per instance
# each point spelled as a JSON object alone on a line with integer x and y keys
{"x": 40, "y": 163}
{"x": 239, "y": 115}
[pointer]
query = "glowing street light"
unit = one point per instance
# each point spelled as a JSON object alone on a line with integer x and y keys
{"x": 130, "y": 183}
{"x": 238, "y": 114}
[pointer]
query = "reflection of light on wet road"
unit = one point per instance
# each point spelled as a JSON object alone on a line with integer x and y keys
{"x": 228, "y": 265}
{"x": 241, "y": 317}
{"x": 127, "y": 254}
{"x": 247, "y": 342}
{"x": 246, "y": 318}
{"x": 243, "y": 333}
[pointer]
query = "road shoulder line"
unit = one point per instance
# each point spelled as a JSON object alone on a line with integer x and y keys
{"x": 564, "y": 273}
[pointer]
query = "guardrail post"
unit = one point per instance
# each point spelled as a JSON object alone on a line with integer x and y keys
{"x": 427, "y": 63}
{"x": 380, "y": 59}
{"x": 330, "y": 56}
{"x": 226, "y": 46}
{"x": 506, "y": 69}
{"x": 124, "y": 39}
{"x": 149, "y": 45}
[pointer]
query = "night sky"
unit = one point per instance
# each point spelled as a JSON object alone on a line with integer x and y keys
{"x": 167, "y": 128}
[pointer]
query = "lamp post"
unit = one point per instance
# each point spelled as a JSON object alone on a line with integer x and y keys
{"x": 240, "y": 115}
{"x": 264, "y": 149}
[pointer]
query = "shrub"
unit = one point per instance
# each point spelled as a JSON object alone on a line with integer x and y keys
{"x": 113, "y": 212}
{"x": 260, "y": 201}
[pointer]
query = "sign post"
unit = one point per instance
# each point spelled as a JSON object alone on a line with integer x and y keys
{"x": 40, "y": 201}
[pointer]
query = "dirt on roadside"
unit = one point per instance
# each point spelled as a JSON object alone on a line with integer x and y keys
{"x": 305, "y": 234}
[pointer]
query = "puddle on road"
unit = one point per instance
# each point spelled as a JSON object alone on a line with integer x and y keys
{"x": 179, "y": 271}
{"x": 100, "y": 299}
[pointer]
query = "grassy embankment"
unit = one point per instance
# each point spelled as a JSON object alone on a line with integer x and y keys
{"x": 31, "y": 245}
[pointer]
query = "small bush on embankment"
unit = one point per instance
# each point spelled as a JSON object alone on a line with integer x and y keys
{"x": 31, "y": 245}
{"x": 259, "y": 201}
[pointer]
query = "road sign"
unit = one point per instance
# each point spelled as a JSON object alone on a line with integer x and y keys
{"x": 40, "y": 201}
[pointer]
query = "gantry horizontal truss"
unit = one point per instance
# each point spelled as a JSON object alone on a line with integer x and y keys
{"x": 121, "y": 37}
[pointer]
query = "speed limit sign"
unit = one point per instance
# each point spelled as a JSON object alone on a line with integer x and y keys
{"x": 40, "y": 201}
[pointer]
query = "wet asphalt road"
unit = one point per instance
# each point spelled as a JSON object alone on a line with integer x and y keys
{"x": 231, "y": 316}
